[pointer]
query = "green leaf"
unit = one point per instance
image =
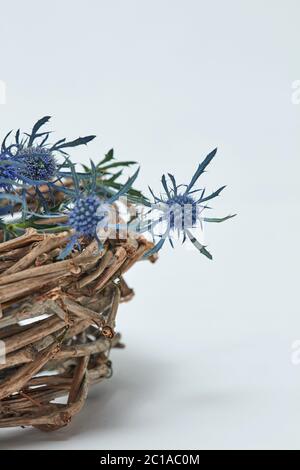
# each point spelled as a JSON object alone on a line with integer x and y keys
{"x": 172, "y": 178}
{"x": 108, "y": 157}
{"x": 165, "y": 186}
{"x": 198, "y": 245}
{"x": 61, "y": 141}
{"x": 86, "y": 168}
{"x": 74, "y": 143}
{"x": 3, "y": 147}
{"x": 124, "y": 189}
{"x": 114, "y": 177}
{"x": 36, "y": 127}
{"x": 117, "y": 164}
{"x": 201, "y": 169}
{"x": 133, "y": 194}
{"x": 218, "y": 220}
{"x": 155, "y": 249}
{"x": 213, "y": 195}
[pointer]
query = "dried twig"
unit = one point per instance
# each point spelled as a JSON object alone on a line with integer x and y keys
{"x": 57, "y": 316}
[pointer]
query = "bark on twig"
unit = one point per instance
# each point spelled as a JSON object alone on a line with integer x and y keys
{"x": 58, "y": 317}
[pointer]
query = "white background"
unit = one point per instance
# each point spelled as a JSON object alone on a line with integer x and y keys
{"x": 209, "y": 344}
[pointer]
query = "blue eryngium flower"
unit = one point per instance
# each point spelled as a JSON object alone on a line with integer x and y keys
{"x": 34, "y": 157}
{"x": 89, "y": 211}
{"x": 7, "y": 172}
{"x": 28, "y": 160}
{"x": 37, "y": 163}
{"x": 180, "y": 209}
{"x": 84, "y": 216}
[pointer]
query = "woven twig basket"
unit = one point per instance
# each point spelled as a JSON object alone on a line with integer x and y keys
{"x": 58, "y": 324}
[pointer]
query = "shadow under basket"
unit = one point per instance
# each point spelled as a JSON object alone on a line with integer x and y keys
{"x": 57, "y": 324}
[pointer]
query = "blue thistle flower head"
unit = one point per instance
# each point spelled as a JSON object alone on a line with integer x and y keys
{"x": 84, "y": 218}
{"x": 85, "y": 215}
{"x": 37, "y": 163}
{"x": 182, "y": 211}
{"x": 180, "y": 208}
{"x": 34, "y": 157}
{"x": 89, "y": 212}
{"x": 7, "y": 172}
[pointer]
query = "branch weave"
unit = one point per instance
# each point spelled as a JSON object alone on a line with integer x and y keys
{"x": 57, "y": 321}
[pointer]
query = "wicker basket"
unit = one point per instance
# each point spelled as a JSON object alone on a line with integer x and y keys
{"x": 58, "y": 324}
